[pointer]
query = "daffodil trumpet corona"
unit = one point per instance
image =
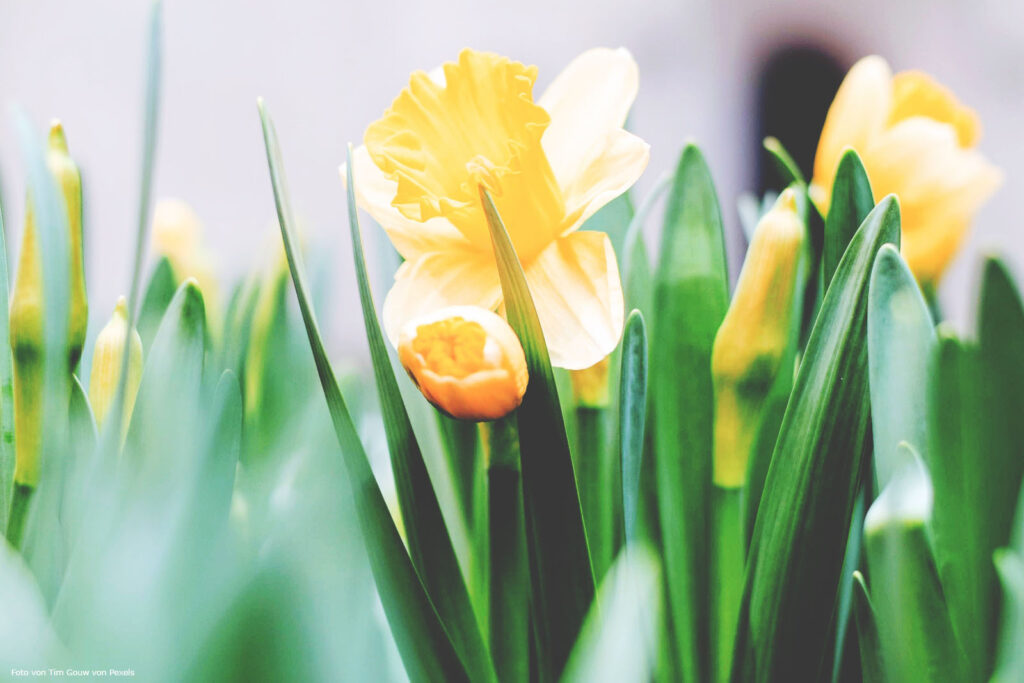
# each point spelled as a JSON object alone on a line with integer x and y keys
{"x": 549, "y": 165}
{"x": 916, "y": 141}
{"x": 465, "y": 360}
{"x": 27, "y": 311}
{"x": 107, "y": 361}
{"x": 752, "y": 340}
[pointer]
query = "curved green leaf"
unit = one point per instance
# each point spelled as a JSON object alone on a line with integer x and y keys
{"x": 632, "y": 418}
{"x": 851, "y": 202}
{"x": 800, "y": 537}
{"x": 784, "y": 163}
{"x": 867, "y": 632}
{"x": 563, "y": 582}
{"x": 426, "y": 648}
{"x": 430, "y": 546}
{"x": 913, "y": 621}
{"x": 691, "y": 295}
{"x": 901, "y": 340}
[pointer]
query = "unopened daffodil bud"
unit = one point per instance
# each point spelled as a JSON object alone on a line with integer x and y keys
{"x": 753, "y": 338}
{"x": 590, "y": 386}
{"x": 466, "y": 360}
{"x": 178, "y": 236}
{"x": 107, "y": 361}
{"x": 27, "y": 309}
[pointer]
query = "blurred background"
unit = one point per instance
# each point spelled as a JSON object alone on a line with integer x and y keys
{"x": 723, "y": 73}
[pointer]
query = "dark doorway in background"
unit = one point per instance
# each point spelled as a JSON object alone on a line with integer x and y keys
{"x": 795, "y": 88}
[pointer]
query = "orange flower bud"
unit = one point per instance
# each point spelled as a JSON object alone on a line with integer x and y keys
{"x": 465, "y": 360}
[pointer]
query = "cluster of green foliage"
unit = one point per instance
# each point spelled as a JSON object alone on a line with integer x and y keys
{"x": 266, "y": 518}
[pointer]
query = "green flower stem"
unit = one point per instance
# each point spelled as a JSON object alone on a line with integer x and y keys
{"x": 19, "y": 513}
{"x": 727, "y": 573}
{"x": 509, "y": 569}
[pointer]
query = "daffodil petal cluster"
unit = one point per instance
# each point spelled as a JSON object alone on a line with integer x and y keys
{"x": 917, "y": 141}
{"x": 549, "y": 165}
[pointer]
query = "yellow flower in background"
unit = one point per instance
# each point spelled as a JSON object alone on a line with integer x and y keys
{"x": 466, "y": 360}
{"x": 549, "y": 165}
{"x": 917, "y": 142}
{"x": 178, "y": 235}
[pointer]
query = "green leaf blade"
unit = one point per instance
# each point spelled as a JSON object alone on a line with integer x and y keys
{"x": 800, "y": 536}
{"x": 851, "y": 202}
{"x": 560, "y": 569}
{"x": 430, "y": 546}
{"x": 426, "y": 648}
{"x": 901, "y": 340}
{"x": 632, "y": 418}
{"x": 691, "y": 296}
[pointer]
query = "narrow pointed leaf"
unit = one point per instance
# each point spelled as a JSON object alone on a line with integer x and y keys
{"x": 784, "y": 163}
{"x": 426, "y": 648}
{"x": 851, "y": 202}
{"x": 800, "y": 536}
{"x": 867, "y": 631}
{"x": 429, "y": 543}
{"x": 563, "y": 582}
{"x": 691, "y": 296}
{"x": 976, "y": 408}
{"x": 901, "y": 340}
{"x": 632, "y": 418}
{"x": 913, "y": 621}
{"x": 159, "y": 292}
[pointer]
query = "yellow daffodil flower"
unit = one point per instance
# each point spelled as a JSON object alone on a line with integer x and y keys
{"x": 549, "y": 165}
{"x": 752, "y": 340}
{"x": 918, "y": 142}
{"x": 466, "y": 360}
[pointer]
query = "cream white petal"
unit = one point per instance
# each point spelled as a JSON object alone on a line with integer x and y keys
{"x": 576, "y": 289}
{"x": 858, "y": 112}
{"x": 374, "y": 193}
{"x": 621, "y": 161}
{"x": 455, "y": 277}
{"x": 588, "y": 99}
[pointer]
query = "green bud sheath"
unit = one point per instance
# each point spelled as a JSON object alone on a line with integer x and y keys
{"x": 107, "y": 361}
{"x": 26, "y": 313}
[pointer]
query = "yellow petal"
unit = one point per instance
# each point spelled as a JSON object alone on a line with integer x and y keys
{"x": 858, "y": 112}
{"x": 439, "y": 143}
{"x": 940, "y": 186}
{"x": 621, "y": 160}
{"x": 465, "y": 360}
{"x": 375, "y": 192}
{"x": 576, "y": 289}
{"x": 915, "y": 93}
{"x": 457, "y": 277}
{"x": 587, "y": 101}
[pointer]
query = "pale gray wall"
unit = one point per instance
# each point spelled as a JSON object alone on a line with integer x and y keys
{"x": 327, "y": 69}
